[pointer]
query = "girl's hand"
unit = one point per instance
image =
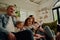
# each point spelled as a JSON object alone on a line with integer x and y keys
{"x": 38, "y": 36}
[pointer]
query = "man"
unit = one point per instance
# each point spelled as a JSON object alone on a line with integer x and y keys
{"x": 7, "y": 23}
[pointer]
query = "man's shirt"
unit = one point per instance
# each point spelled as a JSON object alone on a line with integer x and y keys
{"x": 10, "y": 26}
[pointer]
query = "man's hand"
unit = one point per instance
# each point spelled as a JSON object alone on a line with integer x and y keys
{"x": 11, "y": 36}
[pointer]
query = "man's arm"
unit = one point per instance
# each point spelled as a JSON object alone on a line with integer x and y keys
{"x": 11, "y": 36}
{"x": 14, "y": 20}
{"x": 2, "y": 29}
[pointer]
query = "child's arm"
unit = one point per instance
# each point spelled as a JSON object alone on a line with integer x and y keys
{"x": 41, "y": 29}
{"x": 38, "y": 36}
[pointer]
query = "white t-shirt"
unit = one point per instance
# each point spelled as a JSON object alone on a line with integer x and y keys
{"x": 10, "y": 26}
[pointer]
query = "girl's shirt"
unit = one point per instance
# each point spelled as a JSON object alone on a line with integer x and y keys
{"x": 18, "y": 29}
{"x": 30, "y": 28}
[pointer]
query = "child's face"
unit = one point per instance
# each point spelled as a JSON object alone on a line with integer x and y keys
{"x": 20, "y": 25}
{"x": 29, "y": 22}
{"x": 36, "y": 25}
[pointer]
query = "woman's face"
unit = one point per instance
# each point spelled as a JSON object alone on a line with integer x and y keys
{"x": 29, "y": 22}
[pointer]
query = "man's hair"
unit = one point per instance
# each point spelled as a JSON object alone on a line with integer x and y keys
{"x": 10, "y": 6}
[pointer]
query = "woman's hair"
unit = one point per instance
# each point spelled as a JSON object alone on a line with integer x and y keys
{"x": 26, "y": 21}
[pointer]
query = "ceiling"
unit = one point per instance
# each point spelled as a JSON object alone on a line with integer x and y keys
{"x": 40, "y": 1}
{"x": 57, "y": 4}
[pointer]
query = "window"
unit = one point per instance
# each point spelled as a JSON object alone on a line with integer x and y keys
{"x": 59, "y": 13}
{"x": 56, "y": 11}
{"x": 55, "y": 14}
{"x": 25, "y": 14}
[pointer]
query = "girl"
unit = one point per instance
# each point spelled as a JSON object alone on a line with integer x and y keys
{"x": 29, "y": 25}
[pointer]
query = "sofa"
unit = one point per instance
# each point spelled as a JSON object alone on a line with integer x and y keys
{"x": 52, "y": 25}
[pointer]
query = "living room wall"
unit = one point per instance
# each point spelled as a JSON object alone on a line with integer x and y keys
{"x": 27, "y": 7}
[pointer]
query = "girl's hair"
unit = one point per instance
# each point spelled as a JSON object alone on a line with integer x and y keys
{"x": 18, "y": 22}
{"x": 35, "y": 22}
{"x": 25, "y": 24}
{"x": 30, "y": 15}
{"x": 32, "y": 18}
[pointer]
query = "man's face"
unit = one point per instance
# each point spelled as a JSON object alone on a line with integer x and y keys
{"x": 11, "y": 10}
